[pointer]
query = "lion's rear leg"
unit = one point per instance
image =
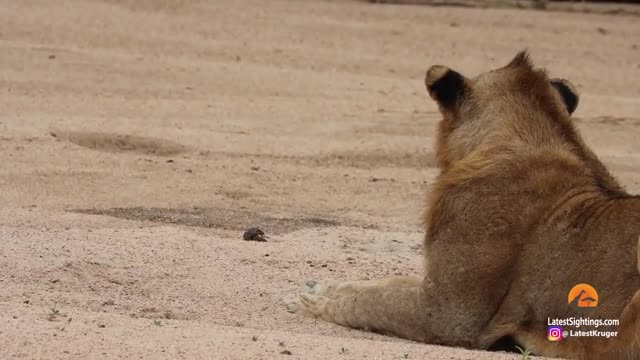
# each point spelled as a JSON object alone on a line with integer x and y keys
{"x": 388, "y": 306}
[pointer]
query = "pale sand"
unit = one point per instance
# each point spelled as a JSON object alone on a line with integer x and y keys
{"x": 140, "y": 138}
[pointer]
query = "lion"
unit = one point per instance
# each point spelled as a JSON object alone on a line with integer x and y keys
{"x": 521, "y": 211}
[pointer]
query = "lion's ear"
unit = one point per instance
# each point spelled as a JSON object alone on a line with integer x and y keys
{"x": 521, "y": 59}
{"x": 444, "y": 85}
{"x": 567, "y": 92}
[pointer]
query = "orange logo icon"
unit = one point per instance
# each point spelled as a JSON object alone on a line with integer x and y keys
{"x": 583, "y": 296}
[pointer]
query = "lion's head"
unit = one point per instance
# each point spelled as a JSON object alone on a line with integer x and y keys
{"x": 514, "y": 106}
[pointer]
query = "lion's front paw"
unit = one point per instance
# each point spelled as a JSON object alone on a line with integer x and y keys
{"x": 292, "y": 303}
{"x": 311, "y": 297}
{"x": 313, "y": 305}
{"x": 325, "y": 287}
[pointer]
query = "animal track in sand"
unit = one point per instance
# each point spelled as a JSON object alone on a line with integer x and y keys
{"x": 121, "y": 143}
{"x": 229, "y": 219}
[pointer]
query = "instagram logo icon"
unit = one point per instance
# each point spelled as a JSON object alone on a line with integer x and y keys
{"x": 554, "y": 333}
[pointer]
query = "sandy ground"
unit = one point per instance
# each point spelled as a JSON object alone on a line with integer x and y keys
{"x": 139, "y": 138}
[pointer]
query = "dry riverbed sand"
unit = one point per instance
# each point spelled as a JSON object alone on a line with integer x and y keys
{"x": 140, "y": 138}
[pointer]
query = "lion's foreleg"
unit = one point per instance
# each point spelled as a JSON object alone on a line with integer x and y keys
{"x": 389, "y": 306}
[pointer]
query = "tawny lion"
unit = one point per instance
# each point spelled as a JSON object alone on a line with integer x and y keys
{"x": 521, "y": 211}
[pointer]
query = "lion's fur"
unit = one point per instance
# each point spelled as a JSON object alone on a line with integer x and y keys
{"x": 533, "y": 209}
{"x": 521, "y": 211}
